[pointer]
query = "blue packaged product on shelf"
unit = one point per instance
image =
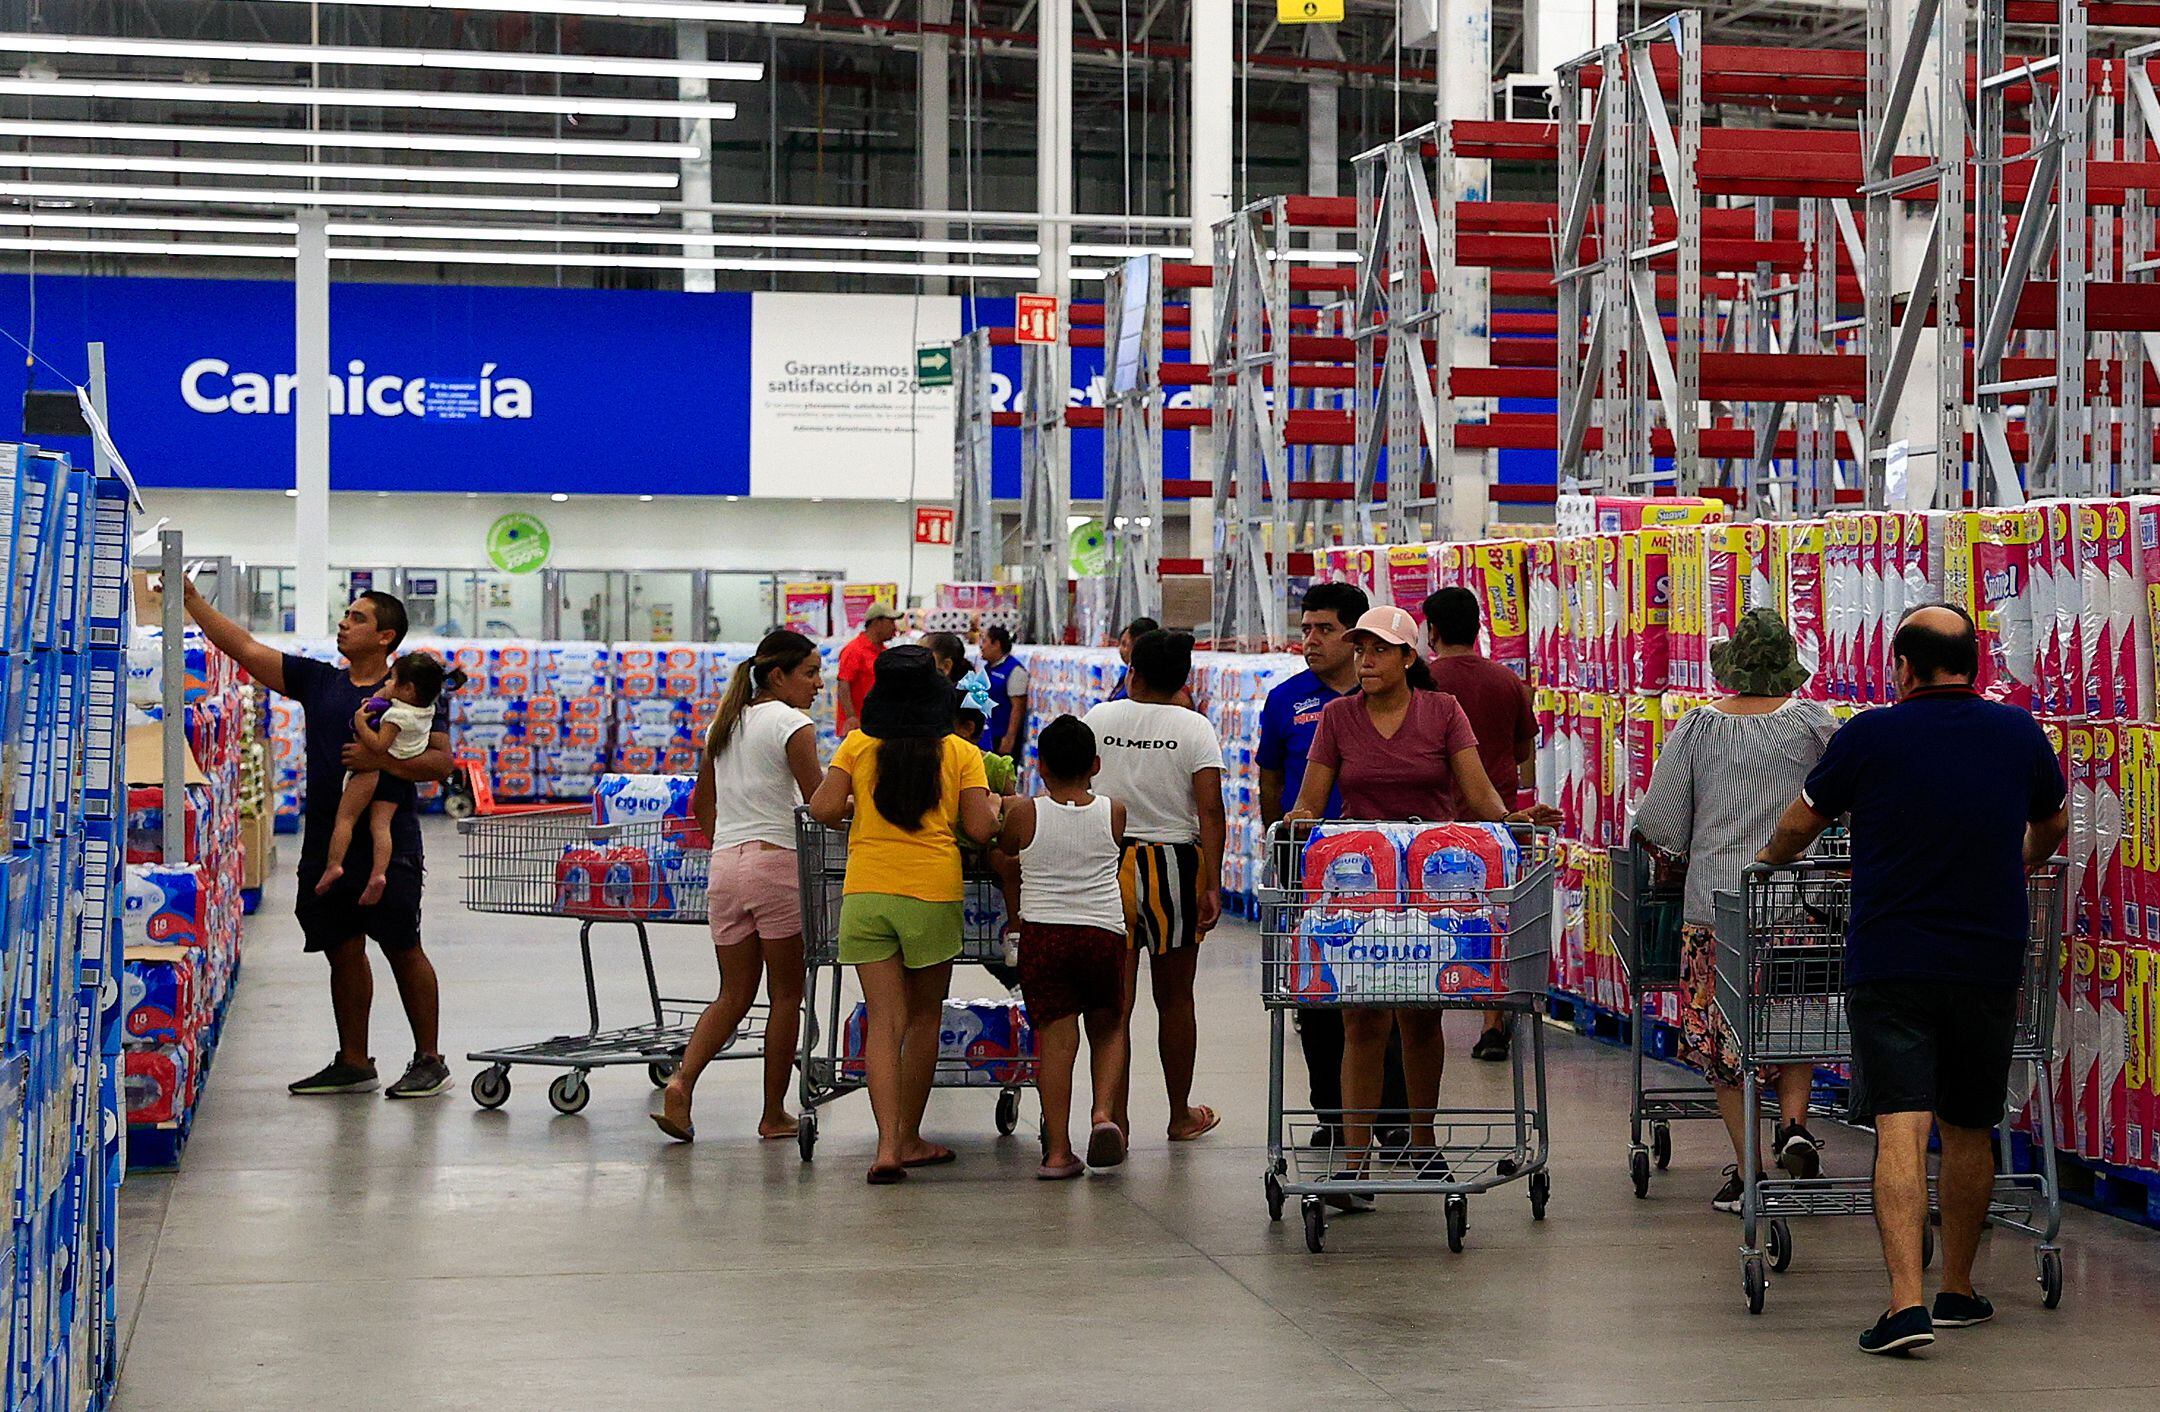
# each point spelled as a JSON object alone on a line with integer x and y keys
{"x": 31, "y": 784}
{"x": 98, "y": 933}
{"x": 37, "y": 549}
{"x": 104, "y": 705}
{"x": 69, "y": 560}
{"x": 110, "y": 525}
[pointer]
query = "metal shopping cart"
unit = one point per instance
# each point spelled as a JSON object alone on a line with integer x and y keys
{"x": 828, "y": 1070}
{"x": 559, "y": 863}
{"x": 1781, "y": 986}
{"x": 1473, "y": 948}
{"x": 1647, "y": 901}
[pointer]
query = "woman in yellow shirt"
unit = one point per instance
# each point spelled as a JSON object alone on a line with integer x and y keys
{"x": 912, "y": 783}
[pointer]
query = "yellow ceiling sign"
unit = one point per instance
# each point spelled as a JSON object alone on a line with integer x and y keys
{"x": 1308, "y": 12}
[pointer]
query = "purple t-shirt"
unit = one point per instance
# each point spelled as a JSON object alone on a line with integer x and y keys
{"x": 1409, "y": 775}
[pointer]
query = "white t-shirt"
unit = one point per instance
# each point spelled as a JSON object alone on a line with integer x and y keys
{"x": 754, "y": 791}
{"x": 414, "y": 725}
{"x": 1150, "y": 752}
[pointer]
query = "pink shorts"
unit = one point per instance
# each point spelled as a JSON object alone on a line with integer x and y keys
{"x": 753, "y": 892}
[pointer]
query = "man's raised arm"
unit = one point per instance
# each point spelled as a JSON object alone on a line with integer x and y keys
{"x": 264, "y": 663}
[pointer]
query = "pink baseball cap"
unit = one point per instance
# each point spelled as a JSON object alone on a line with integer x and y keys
{"x": 1390, "y": 625}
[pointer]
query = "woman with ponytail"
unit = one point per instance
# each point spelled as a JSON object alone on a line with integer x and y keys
{"x": 918, "y": 791}
{"x": 760, "y": 762}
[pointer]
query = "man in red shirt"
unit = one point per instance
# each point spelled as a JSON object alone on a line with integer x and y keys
{"x": 1501, "y": 716}
{"x": 858, "y": 665}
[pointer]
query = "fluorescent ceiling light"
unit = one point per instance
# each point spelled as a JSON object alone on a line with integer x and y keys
{"x": 1168, "y": 252}
{"x": 296, "y": 54}
{"x": 384, "y": 141}
{"x": 332, "y": 200}
{"x": 146, "y": 247}
{"x": 717, "y": 11}
{"x": 365, "y": 98}
{"x": 336, "y": 171}
{"x": 72, "y": 220}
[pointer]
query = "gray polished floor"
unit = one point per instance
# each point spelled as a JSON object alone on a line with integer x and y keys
{"x": 355, "y": 1253}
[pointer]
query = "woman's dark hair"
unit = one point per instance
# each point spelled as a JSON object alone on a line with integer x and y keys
{"x": 423, "y": 672}
{"x": 1164, "y": 661}
{"x": 951, "y": 653}
{"x": 1932, "y": 653}
{"x": 910, "y": 777}
{"x": 1140, "y": 627}
{"x": 999, "y": 634}
{"x": 1418, "y": 674}
{"x": 782, "y": 650}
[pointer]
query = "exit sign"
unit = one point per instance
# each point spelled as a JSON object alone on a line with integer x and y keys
{"x": 933, "y": 366}
{"x": 1035, "y": 318}
{"x": 934, "y": 525}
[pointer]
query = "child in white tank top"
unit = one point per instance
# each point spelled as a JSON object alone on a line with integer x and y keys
{"x": 1072, "y": 939}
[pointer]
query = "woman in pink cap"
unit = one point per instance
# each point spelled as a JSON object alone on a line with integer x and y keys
{"x": 1397, "y": 748}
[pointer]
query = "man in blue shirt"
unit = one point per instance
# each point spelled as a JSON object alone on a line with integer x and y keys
{"x": 1288, "y": 720}
{"x": 1951, "y": 798}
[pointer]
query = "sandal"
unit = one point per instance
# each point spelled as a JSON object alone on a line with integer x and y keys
{"x": 1063, "y": 1172}
{"x": 886, "y": 1176}
{"x": 937, "y": 1158}
{"x": 1210, "y": 1120}
{"x": 1106, "y": 1145}
{"x": 681, "y": 1132}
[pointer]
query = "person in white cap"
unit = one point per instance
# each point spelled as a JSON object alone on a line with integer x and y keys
{"x": 1398, "y": 749}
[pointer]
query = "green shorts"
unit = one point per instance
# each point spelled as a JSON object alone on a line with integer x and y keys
{"x": 877, "y": 926}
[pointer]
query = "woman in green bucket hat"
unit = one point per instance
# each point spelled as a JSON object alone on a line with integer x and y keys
{"x": 1725, "y": 773}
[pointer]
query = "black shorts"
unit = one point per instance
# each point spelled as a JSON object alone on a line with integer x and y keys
{"x": 1932, "y": 1047}
{"x": 337, "y": 916}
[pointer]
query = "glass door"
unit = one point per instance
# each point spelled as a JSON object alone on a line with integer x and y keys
{"x": 662, "y": 605}
{"x": 589, "y": 605}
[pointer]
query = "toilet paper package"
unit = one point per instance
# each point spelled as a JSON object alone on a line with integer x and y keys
{"x": 981, "y": 1044}
{"x": 2055, "y": 609}
{"x": 1612, "y": 613}
{"x": 2144, "y": 611}
{"x": 1736, "y": 578}
{"x": 2090, "y": 671}
{"x": 629, "y": 798}
{"x": 1988, "y": 570}
{"x": 1796, "y": 558}
{"x": 160, "y": 999}
{"x": 1873, "y": 637}
{"x": 1542, "y": 586}
{"x": 165, "y": 905}
{"x": 2125, "y": 602}
{"x": 1409, "y": 576}
{"x": 1646, "y": 556}
{"x": 1841, "y": 573}
{"x": 156, "y": 1082}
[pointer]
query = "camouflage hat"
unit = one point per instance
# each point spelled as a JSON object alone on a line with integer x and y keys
{"x": 1759, "y": 659}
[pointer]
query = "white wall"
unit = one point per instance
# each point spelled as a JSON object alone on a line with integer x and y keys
{"x": 862, "y": 540}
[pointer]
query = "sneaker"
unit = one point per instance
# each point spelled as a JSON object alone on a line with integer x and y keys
{"x": 337, "y": 1076}
{"x": 1435, "y": 1168}
{"x": 1491, "y": 1046}
{"x": 1325, "y": 1135}
{"x": 425, "y": 1077}
{"x": 1347, "y": 1200}
{"x": 1901, "y": 1332}
{"x": 1799, "y": 1151}
{"x": 1961, "y": 1311}
{"x": 1728, "y": 1195}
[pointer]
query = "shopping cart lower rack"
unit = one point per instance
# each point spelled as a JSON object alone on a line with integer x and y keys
{"x": 558, "y": 863}
{"x": 1781, "y": 987}
{"x": 1408, "y": 948}
{"x": 828, "y": 1070}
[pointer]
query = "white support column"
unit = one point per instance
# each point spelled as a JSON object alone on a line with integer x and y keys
{"x": 933, "y": 128}
{"x": 1555, "y": 31}
{"x": 690, "y": 36}
{"x": 1211, "y": 117}
{"x": 1054, "y": 202}
{"x": 311, "y": 426}
{"x": 1465, "y": 57}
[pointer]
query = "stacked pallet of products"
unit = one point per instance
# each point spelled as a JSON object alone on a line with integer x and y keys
{"x": 64, "y": 602}
{"x": 534, "y": 715}
{"x": 181, "y": 916}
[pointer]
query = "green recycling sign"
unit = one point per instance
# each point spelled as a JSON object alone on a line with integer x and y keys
{"x": 517, "y": 543}
{"x": 933, "y": 366}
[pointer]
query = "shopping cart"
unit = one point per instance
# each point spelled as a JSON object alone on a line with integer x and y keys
{"x": 1647, "y": 900}
{"x": 557, "y": 863}
{"x": 1781, "y": 986}
{"x": 1319, "y": 951}
{"x": 828, "y": 1071}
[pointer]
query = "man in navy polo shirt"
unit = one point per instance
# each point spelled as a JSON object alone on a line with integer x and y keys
{"x": 1951, "y": 797}
{"x": 1288, "y": 722}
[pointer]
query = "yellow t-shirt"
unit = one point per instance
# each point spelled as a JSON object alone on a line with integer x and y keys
{"x": 925, "y": 863}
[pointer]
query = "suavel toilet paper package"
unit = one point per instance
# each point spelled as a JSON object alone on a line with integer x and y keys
{"x": 1988, "y": 571}
{"x": 1796, "y": 573}
{"x": 168, "y": 905}
{"x": 1645, "y": 566}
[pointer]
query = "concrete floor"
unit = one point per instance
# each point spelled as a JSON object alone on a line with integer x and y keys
{"x": 354, "y": 1253}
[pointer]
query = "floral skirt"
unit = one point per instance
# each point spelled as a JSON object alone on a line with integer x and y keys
{"x": 1706, "y": 1041}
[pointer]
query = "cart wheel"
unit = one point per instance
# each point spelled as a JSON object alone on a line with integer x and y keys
{"x": 570, "y": 1093}
{"x": 1638, "y": 1170}
{"x": 1315, "y": 1214}
{"x": 1753, "y": 1282}
{"x": 1458, "y": 1222}
{"x": 1661, "y": 1145}
{"x": 1780, "y": 1244}
{"x": 458, "y": 805}
{"x": 491, "y": 1086}
{"x": 660, "y": 1071}
{"x": 1008, "y": 1112}
{"x": 806, "y": 1134}
{"x": 1540, "y": 1193}
{"x": 1274, "y": 1196}
{"x": 2050, "y": 1278}
{"x": 1927, "y": 1246}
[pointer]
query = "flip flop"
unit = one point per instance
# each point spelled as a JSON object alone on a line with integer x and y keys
{"x": 1213, "y": 1119}
{"x": 886, "y": 1176}
{"x": 936, "y": 1159}
{"x": 1106, "y": 1145}
{"x": 1065, "y": 1173}
{"x": 681, "y": 1132}
{"x": 788, "y": 1136}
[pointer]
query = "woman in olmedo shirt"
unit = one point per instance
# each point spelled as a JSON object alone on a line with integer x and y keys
{"x": 917, "y": 790}
{"x": 760, "y": 762}
{"x": 1398, "y": 748}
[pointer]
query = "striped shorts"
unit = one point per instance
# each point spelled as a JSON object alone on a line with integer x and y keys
{"x": 1161, "y": 883}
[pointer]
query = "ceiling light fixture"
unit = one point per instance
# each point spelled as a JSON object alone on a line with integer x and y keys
{"x": 447, "y": 101}
{"x": 716, "y": 11}
{"x": 381, "y": 141}
{"x": 336, "y": 171}
{"x": 331, "y": 200}
{"x": 632, "y": 235}
{"x": 303, "y": 54}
